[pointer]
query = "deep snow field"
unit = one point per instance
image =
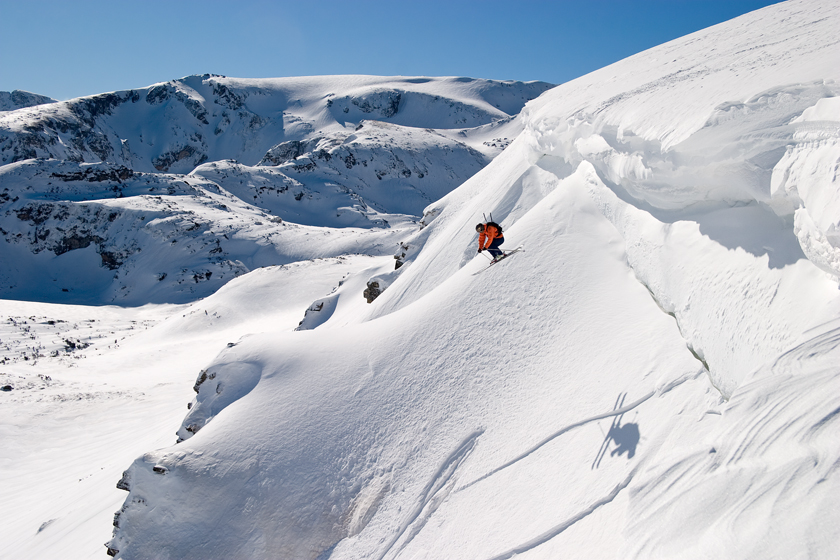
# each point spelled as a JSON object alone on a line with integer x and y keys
{"x": 655, "y": 376}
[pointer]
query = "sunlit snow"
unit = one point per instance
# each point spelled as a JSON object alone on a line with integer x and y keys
{"x": 656, "y": 375}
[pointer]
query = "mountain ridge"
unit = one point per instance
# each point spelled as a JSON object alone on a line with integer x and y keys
{"x": 119, "y": 173}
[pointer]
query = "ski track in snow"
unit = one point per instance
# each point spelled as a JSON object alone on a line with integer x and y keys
{"x": 436, "y": 491}
{"x": 560, "y": 432}
{"x": 554, "y": 531}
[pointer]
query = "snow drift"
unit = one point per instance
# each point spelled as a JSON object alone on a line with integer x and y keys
{"x": 654, "y": 376}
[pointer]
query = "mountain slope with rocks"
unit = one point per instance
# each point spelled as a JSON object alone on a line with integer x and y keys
{"x": 168, "y": 192}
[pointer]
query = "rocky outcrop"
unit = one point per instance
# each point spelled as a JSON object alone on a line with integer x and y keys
{"x": 377, "y": 104}
{"x": 164, "y": 161}
{"x": 287, "y": 151}
{"x": 373, "y": 291}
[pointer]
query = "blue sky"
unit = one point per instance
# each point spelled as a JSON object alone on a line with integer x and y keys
{"x": 67, "y": 49}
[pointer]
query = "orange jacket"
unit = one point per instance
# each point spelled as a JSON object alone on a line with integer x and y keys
{"x": 489, "y": 234}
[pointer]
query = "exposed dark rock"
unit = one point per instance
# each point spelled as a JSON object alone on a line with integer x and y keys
{"x": 164, "y": 92}
{"x": 71, "y": 345}
{"x": 373, "y": 291}
{"x": 35, "y": 213}
{"x": 73, "y": 242}
{"x": 385, "y": 103}
{"x": 158, "y": 94}
{"x": 350, "y": 161}
{"x": 88, "y": 108}
{"x": 308, "y": 166}
{"x": 110, "y": 260}
{"x": 6, "y": 388}
{"x": 98, "y": 144}
{"x": 202, "y": 377}
{"x": 227, "y": 96}
{"x": 97, "y": 174}
{"x": 164, "y": 161}
{"x": 400, "y": 255}
{"x": 285, "y": 151}
{"x": 125, "y": 482}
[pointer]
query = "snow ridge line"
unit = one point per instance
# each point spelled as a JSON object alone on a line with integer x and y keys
{"x": 554, "y": 531}
{"x": 560, "y": 432}
{"x": 430, "y": 496}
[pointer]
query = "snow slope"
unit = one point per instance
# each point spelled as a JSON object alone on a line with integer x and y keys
{"x": 95, "y": 385}
{"x": 655, "y": 376}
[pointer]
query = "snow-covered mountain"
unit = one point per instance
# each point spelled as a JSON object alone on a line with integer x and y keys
{"x": 654, "y": 376}
{"x": 18, "y": 99}
{"x": 168, "y": 192}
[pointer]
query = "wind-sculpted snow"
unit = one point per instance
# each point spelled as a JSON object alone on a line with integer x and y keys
{"x": 738, "y": 114}
{"x": 654, "y": 376}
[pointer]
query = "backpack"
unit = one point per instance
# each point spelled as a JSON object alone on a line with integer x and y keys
{"x": 495, "y": 225}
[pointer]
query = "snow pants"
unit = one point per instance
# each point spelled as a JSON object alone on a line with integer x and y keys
{"x": 493, "y": 249}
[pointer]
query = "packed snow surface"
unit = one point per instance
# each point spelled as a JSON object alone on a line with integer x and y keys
{"x": 656, "y": 375}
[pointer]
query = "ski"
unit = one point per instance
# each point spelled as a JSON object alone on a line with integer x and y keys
{"x": 505, "y": 255}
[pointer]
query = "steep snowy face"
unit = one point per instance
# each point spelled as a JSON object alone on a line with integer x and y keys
{"x": 168, "y": 192}
{"x": 653, "y": 376}
{"x": 734, "y": 114}
{"x": 726, "y": 138}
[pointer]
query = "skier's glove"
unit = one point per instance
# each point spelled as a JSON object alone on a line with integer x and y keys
{"x": 480, "y": 250}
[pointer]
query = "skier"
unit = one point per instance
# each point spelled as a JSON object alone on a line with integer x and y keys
{"x": 489, "y": 238}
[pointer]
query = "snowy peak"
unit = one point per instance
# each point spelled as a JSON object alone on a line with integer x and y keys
{"x": 175, "y": 126}
{"x": 18, "y": 99}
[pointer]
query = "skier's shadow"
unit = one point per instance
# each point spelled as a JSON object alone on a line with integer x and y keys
{"x": 626, "y": 437}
